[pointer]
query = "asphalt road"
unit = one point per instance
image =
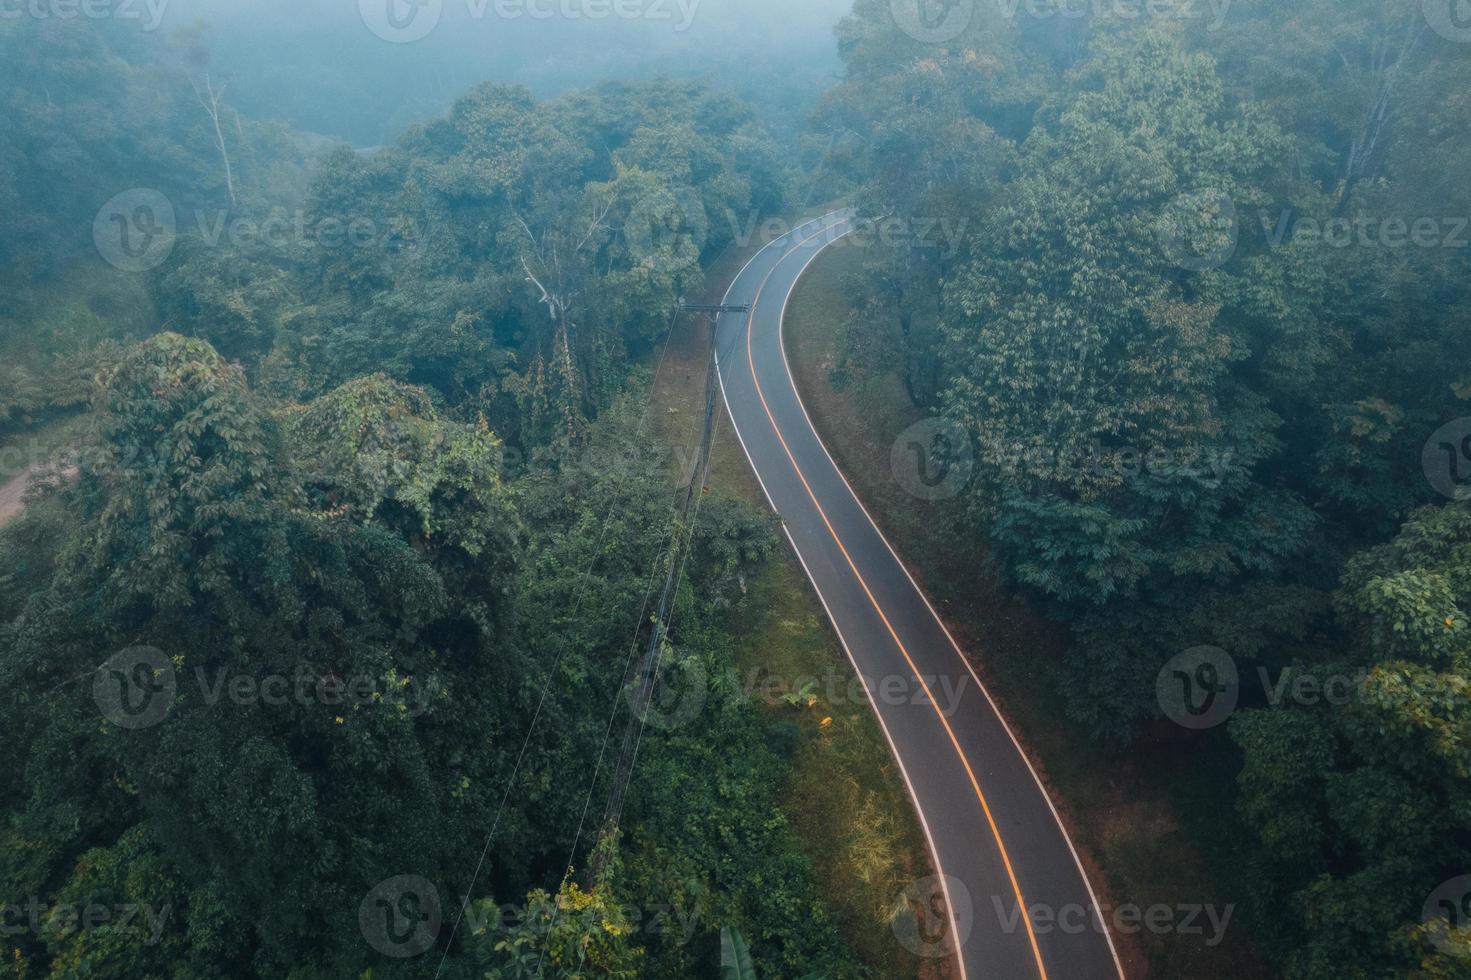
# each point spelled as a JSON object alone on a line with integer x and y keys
{"x": 996, "y": 841}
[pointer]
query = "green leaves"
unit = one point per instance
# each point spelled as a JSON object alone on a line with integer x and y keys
{"x": 375, "y": 450}
{"x": 1188, "y": 411}
{"x": 1407, "y": 599}
{"x": 525, "y": 249}
{"x": 735, "y": 956}
{"x": 1360, "y": 807}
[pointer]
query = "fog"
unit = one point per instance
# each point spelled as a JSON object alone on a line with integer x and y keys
{"x": 399, "y": 580}
{"x": 363, "y": 70}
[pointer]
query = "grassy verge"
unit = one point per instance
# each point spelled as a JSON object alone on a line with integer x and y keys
{"x": 1154, "y": 822}
{"x": 844, "y": 796}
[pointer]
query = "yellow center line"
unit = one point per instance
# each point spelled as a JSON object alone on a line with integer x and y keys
{"x": 934, "y": 704}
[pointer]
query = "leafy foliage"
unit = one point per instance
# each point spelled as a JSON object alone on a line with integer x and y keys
{"x": 1360, "y": 809}
{"x": 1198, "y": 378}
{"x": 353, "y": 599}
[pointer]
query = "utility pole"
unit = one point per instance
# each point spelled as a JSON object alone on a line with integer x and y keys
{"x": 648, "y": 670}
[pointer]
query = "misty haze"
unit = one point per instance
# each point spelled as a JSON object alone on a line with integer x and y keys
{"x": 735, "y": 489}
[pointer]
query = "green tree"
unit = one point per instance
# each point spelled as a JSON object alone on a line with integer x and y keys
{"x": 1360, "y": 808}
{"x": 311, "y": 667}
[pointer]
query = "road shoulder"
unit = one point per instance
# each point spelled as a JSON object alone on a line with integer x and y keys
{"x": 1137, "y": 817}
{"x": 844, "y": 795}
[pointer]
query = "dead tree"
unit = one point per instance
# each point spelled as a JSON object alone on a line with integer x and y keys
{"x": 209, "y": 98}
{"x": 562, "y": 279}
{"x": 1388, "y": 59}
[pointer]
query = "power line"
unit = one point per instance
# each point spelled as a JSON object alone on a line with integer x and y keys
{"x": 698, "y": 477}
{"x": 652, "y": 662}
{"x": 551, "y": 678}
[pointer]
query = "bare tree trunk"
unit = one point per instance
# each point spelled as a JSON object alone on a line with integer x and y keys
{"x": 561, "y": 284}
{"x": 210, "y": 100}
{"x": 1369, "y": 143}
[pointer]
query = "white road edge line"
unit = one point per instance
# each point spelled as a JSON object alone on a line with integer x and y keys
{"x": 842, "y": 640}
{"x": 781, "y": 340}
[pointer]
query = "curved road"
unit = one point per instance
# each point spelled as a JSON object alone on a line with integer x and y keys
{"x": 995, "y": 838}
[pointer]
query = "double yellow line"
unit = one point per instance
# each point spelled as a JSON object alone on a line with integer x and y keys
{"x": 934, "y": 704}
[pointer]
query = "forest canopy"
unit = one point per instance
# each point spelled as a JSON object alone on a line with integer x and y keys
{"x": 1202, "y": 359}
{"x": 333, "y": 599}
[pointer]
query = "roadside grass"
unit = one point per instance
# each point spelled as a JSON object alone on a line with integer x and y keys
{"x": 1153, "y": 822}
{"x": 844, "y": 796}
